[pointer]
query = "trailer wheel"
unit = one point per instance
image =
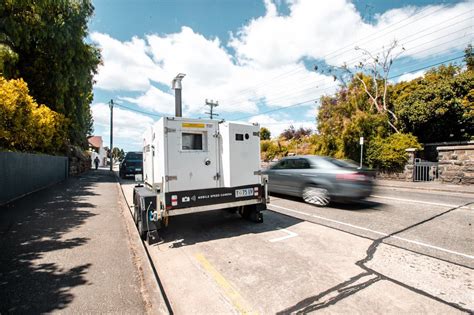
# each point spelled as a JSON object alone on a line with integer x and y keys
{"x": 244, "y": 212}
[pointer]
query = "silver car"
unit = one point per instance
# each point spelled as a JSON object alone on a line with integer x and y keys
{"x": 318, "y": 179}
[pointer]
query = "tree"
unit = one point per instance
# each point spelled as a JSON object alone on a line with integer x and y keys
{"x": 437, "y": 107}
{"x": 293, "y": 133}
{"x": 372, "y": 73}
{"x": 42, "y": 42}
{"x": 117, "y": 154}
{"x": 265, "y": 134}
{"x": 469, "y": 58}
{"x": 24, "y": 124}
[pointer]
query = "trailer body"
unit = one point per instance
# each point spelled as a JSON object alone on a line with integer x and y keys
{"x": 194, "y": 165}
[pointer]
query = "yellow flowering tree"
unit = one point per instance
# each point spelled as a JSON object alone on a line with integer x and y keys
{"x": 25, "y": 125}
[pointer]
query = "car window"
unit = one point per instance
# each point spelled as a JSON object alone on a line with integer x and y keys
{"x": 281, "y": 165}
{"x": 301, "y": 164}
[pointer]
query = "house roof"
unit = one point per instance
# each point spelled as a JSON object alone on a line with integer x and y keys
{"x": 95, "y": 141}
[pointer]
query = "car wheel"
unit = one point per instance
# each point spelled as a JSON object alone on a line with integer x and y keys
{"x": 317, "y": 196}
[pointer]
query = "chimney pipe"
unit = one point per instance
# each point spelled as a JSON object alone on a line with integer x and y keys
{"x": 177, "y": 87}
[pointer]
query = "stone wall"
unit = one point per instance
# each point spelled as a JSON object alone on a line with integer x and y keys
{"x": 79, "y": 162}
{"x": 456, "y": 164}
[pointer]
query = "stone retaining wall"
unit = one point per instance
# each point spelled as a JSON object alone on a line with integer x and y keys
{"x": 456, "y": 164}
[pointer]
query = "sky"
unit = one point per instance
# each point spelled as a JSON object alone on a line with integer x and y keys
{"x": 256, "y": 58}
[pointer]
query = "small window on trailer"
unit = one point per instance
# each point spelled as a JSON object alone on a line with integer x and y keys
{"x": 191, "y": 141}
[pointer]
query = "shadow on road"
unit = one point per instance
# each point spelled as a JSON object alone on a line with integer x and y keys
{"x": 201, "y": 227}
{"x": 32, "y": 234}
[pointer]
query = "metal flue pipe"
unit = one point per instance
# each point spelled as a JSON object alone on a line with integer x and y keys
{"x": 177, "y": 87}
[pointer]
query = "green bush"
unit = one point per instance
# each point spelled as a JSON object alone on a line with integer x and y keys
{"x": 388, "y": 154}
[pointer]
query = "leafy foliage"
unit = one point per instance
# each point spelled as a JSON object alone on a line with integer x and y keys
{"x": 25, "y": 125}
{"x": 437, "y": 107}
{"x": 389, "y": 154}
{"x": 43, "y": 42}
{"x": 292, "y": 133}
{"x": 118, "y": 154}
{"x": 265, "y": 134}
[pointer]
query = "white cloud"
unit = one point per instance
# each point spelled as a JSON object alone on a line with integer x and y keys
{"x": 154, "y": 100}
{"x": 411, "y": 76}
{"x": 277, "y": 125}
{"x": 126, "y": 65}
{"x": 316, "y": 29}
{"x": 211, "y": 73}
{"x": 128, "y": 126}
{"x": 267, "y": 66}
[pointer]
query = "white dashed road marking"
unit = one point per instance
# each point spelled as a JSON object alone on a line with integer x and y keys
{"x": 375, "y": 232}
{"x": 416, "y": 201}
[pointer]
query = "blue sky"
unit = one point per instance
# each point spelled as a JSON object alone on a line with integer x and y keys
{"x": 255, "y": 57}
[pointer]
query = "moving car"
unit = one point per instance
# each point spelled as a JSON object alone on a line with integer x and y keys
{"x": 132, "y": 164}
{"x": 319, "y": 179}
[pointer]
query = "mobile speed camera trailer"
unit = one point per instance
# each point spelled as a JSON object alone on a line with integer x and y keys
{"x": 195, "y": 165}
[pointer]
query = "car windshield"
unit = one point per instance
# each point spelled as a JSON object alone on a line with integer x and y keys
{"x": 134, "y": 156}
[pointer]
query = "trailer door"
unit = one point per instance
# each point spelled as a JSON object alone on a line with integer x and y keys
{"x": 192, "y": 155}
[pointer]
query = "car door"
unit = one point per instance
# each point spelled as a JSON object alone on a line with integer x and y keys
{"x": 276, "y": 178}
{"x": 295, "y": 175}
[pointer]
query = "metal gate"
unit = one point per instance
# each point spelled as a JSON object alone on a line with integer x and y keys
{"x": 425, "y": 171}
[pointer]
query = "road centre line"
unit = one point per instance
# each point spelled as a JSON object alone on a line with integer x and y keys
{"x": 376, "y": 232}
{"x": 416, "y": 201}
{"x": 235, "y": 298}
{"x": 290, "y": 235}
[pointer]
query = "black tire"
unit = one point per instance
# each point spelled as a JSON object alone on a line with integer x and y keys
{"x": 244, "y": 212}
{"x": 316, "y": 195}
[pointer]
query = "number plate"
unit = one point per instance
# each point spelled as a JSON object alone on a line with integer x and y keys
{"x": 246, "y": 192}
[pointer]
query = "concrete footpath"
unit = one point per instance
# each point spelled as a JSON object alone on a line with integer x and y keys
{"x": 429, "y": 186}
{"x": 69, "y": 248}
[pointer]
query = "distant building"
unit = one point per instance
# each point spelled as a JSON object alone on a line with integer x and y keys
{"x": 96, "y": 146}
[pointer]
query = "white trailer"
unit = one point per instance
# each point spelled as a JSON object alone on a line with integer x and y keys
{"x": 193, "y": 165}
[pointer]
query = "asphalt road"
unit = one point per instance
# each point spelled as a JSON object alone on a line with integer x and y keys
{"x": 401, "y": 251}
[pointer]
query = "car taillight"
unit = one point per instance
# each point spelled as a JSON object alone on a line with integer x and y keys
{"x": 351, "y": 176}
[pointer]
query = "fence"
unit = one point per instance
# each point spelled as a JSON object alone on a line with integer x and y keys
{"x": 424, "y": 171}
{"x": 24, "y": 173}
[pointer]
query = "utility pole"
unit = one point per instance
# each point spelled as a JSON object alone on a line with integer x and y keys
{"x": 111, "y": 105}
{"x": 212, "y": 104}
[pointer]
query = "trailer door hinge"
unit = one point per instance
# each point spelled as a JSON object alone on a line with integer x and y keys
{"x": 167, "y": 130}
{"x": 217, "y": 176}
{"x": 170, "y": 178}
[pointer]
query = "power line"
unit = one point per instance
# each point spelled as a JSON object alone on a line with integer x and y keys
{"x": 350, "y": 46}
{"x": 137, "y": 110}
{"x": 354, "y": 60}
{"x": 312, "y": 100}
{"x": 311, "y": 84}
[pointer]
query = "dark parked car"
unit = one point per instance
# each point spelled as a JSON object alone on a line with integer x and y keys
{"x": 318, "y": 179}
{"x": 132, "y": 164}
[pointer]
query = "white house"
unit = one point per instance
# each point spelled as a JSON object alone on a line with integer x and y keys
{"x": 96, "y": 146}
